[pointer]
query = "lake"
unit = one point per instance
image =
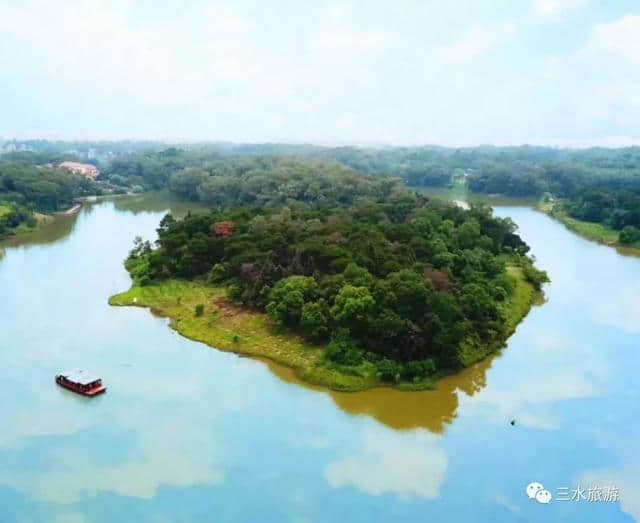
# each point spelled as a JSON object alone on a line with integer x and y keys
{"x": 188, "y": 433}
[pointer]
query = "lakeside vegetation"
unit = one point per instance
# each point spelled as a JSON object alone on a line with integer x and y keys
{"x": 15, "y": 219}
{"x": 398, "y": 290}
{"x": 600, "y": 186}
{"x": 28, "y": 191}
{"x": 590, "y": 187}
{"x": 225, "y": 326}
{"x": 592, "y": 231}
{"x": 606, "y": 212}
{"x": 596, "y": 192}
{"x": 366, "y": 283}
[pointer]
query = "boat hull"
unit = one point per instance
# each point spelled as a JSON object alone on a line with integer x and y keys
{"x": 95, "y": 391}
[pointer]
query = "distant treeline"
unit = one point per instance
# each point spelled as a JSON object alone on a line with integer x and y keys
{"x": 26, "y": 187}
{"x": 41, "y": 188}
{"x": 600, "y": 185}
{"x": 417, "y": 167}
{"x": 220, "y": 180}
{"x": 514, "y": 171}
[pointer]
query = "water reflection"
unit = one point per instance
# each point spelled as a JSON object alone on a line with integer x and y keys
{"x": 464, "y": 198}
{"x": 58, "y": 227}
{"x": 157, "y": 202}
{"x": 412, "y": 465}
{"x": 626, "y": 478}
{"x": 432, "y": 410}
{"x": 187, "y": 433}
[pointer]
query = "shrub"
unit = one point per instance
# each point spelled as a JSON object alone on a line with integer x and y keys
{"x": 199, "y": 309}
{"x": 218, "y": 273}
{"x": 418, "y": 369}
{"x": 629, "y": 234}
{"x": 534, "y": 276}
{"x": 344, "y": 353}
{"x": 389, "y": 371}
{"x": 313, "y": 320}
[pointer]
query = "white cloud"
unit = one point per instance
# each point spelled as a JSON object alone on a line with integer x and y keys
{"x": 477, "y": 41}
{"x": 625, "y": 480}
{"x": 554, "y": 8}
{"x": 107, "y": 54}
{"x": 596, "y": 87}
{"x": 619, "y": 39}
{"x": 625, "y": 477}
{"x": 621, "y": 312}
{"x": 328, "y": 72}
{"x": 343, "y": 44}
{"x": 408, "y": 465}
{"x": 337, "y": 38}
{"x": 531, "y": 399}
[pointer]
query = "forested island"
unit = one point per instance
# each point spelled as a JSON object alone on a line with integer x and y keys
{"x": 387, "y": 289}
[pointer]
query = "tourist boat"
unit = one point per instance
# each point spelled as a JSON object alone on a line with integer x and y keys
{"x": 81, "y": 382}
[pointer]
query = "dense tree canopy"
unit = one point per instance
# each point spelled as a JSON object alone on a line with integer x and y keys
{"x": 564, "y": 173}
{"x": 412, "y": 284}
{"x": 222, "y": 180}
{"x": 41, "y": 188}
{"x": 617, "y": 208}
{"x": 517, "y": 171}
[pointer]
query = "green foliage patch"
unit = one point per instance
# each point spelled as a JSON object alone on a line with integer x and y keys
{"x": 398, "y": 290}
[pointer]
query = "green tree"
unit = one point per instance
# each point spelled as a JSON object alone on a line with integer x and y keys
{"x": 352, "y": 308}
{"x": 288, "y": 297}
{"x": 314, "y": 320}
{"x": 629, "y": 234}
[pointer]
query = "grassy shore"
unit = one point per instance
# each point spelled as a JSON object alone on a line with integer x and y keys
{"x": 24, "y": 227}
{"x": 230, "y": 328}
{"x": 592, "y": 231}
{"x": 227, "y": 327}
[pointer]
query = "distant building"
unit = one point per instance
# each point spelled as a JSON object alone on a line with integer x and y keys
{"x": 86, "y": 169}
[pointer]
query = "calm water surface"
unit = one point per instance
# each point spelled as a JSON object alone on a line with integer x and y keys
{"x": 187, "y": 433}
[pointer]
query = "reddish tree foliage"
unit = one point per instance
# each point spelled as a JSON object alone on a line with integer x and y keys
{"x": 223, "y": 229}
{"x": 440, "y": 280}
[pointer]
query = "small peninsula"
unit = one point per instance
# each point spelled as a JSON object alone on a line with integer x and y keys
{"x": 395, "y": 291}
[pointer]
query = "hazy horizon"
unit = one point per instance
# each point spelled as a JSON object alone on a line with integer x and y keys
{"x": 560, "y": 73}
{"x": 363, "y": 145}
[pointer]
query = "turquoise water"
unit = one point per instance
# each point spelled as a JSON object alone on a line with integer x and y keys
{"x": 187, "y": 433}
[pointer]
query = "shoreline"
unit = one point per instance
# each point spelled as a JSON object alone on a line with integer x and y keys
{"x": 24, "y": 230}
{"x": 43, "y": 220}
{"x": 71, "y": 211}
{"x": 227, "y": 327}
{"x": 589, "y": 230}
{"x": 592, "y": 231}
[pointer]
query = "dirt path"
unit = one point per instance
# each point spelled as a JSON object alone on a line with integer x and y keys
{"x": 74, "y": 210}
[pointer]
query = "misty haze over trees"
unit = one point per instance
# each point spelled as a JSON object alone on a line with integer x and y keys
{"x": 597, "y": 185}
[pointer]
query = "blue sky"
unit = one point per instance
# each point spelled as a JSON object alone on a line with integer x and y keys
{"x": 463, "y": 72}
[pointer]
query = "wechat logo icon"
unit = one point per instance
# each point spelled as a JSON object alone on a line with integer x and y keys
{"x": 537, "y": 491}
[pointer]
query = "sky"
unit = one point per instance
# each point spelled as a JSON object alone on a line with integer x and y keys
{"x": 373, "y": 72}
